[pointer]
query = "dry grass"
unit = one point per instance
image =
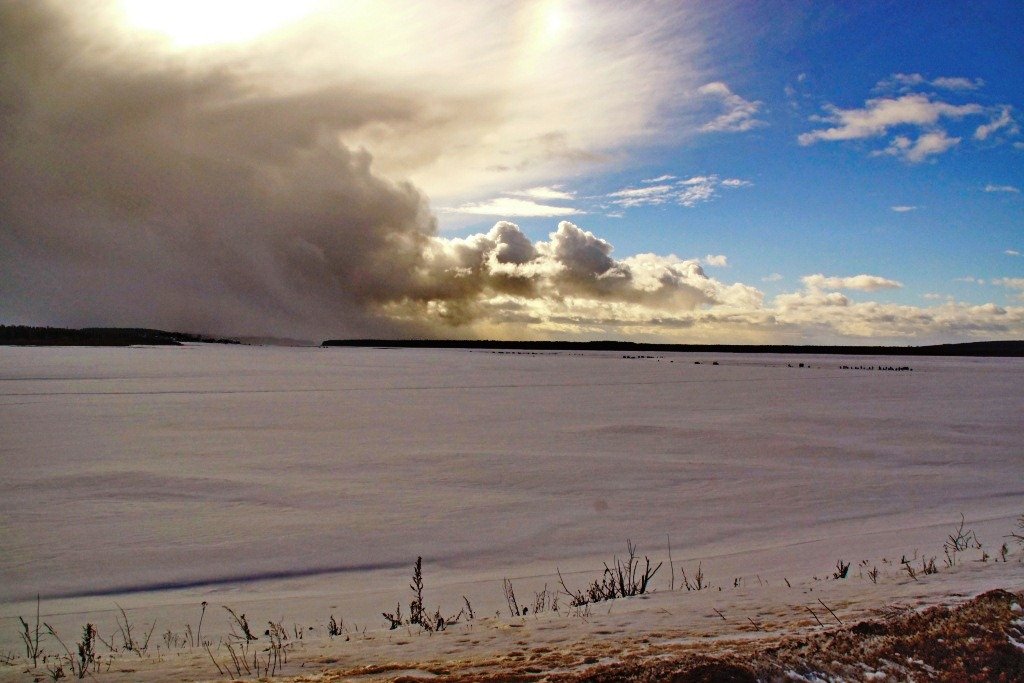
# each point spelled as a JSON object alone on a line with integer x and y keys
{"x": 967, "y": 643}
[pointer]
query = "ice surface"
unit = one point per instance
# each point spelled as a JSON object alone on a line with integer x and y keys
{"x": 311, "y": 479}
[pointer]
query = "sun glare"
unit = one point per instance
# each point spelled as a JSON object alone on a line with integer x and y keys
{"x": 194, "y": 23}
{"x": 554, "y": 21}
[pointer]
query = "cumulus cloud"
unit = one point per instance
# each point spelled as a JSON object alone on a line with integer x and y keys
{"x": 1009, "y": 282}
{"x": 1001, "y": 188}
{"x": 469, "y": 281}
{"x": 926, "y": 145}
{"x": 864, "y": 283}
{"x": 1012, "y": 252}
{"x": 879, "y": 115}
{"x": 917, "y": 120}
{"x": 571, "y": 284}
{"x": 738, "y": 115}
{"x": 772, "y": 277}
{"x": 716, "y": 260}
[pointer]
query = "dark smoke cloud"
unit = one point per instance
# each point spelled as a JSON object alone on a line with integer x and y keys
{"x": 168, "y": 196}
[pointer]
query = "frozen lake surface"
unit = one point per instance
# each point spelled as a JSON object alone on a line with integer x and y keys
{"x": 309, "y": 480}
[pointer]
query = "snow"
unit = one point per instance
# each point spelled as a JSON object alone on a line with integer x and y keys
{"x": 297, "y": 483}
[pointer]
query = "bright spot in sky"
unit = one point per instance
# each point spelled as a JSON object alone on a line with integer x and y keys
{"x": 193, "y": 23}
{"x": 554, "y": 20}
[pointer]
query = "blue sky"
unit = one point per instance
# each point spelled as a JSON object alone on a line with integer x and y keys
{"x": 750, "y": 172}
{"x": 842, "y": 207}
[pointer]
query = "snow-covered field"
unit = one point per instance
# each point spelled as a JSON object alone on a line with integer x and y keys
{"x": 296, "y": 483}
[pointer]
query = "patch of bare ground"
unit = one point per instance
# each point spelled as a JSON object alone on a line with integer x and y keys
{"x": 979, "y": 640}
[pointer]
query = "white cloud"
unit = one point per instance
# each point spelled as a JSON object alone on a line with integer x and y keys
{"x": 905, "y": 82}
{"x": 715, "y": 260}
{"x": 774, "y": 277}
{"x": 641, "y": 196}
{"x": 917, "y": 120}
{"x": 958, "y": 83}
{"x": 510, "y": 206}
{"x": 881, "y": 114}
{"x": 1004, "y": 120}
{"x": 693, "y": 193}
{"x": 902, "y": 79}
{"x": 1010, "y": 282}
{"x": 1012, "y": 252}
{"x": 928, "y": 144}
{"x": 660, "y": 179}
{"x": 970, "y": 279}
{"x": 739, "y": 114}
{"x": 864, "y": 283}
{"x": 1001, "y": 188}
{"x": 545, "y": 193}
{"x": 688, "y": 192}
{"x": 903, "y": 208}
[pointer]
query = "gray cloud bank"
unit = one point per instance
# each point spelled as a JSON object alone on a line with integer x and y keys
{"x": 156, "y": 189}
{"x": 159, "y": 195}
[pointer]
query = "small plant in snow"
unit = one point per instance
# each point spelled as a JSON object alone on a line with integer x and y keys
{"x": 417, "y": 614}
{"x": 510, "y": 599}
{"x": 698, "y": 583}
{"x": 624, "y": 580}
{"x": 842, "y": 569}
{"x": 1019, "y": 537}
{"x": 960, "y": 540}
{"x": 239, "y": 621}
{"x": 31, "y": 638}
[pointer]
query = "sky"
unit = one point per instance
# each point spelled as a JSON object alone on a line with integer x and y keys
{"x": 801, "y": 172}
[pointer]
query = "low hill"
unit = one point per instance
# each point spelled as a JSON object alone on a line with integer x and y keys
{"x": 22, "y": 335}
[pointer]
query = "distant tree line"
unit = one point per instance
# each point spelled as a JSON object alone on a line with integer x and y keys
{"x": 1013, "y": 348}
{"x": 24, "y": 335}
